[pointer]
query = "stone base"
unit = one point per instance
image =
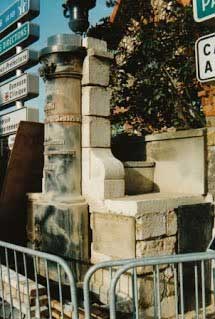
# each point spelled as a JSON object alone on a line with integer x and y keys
{"x": 60, "y": 227}
{"x": 145, "y": 292}
{"x": 147, "y": 225}
{"x": 210, "y": 121}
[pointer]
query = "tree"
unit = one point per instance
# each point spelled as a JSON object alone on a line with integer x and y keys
{"x": 153, "y": 78}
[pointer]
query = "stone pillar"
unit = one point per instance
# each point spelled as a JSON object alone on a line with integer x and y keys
{"x": 103, "y": 174}
{"x": 60, "y": 213}
{"x": 62, "y": 72}
{"x": 207, "y": 96}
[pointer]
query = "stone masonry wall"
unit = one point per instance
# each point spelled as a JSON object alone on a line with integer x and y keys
{"x": 102, "y": 173}
{"x": 211, "y": 160}
{"x": 140, "y": 225}
{"x": 155, "y": 233}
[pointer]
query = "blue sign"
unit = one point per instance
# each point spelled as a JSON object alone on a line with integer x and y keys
{"x": 18, "y": 11}
{"x": 25, "y": 35}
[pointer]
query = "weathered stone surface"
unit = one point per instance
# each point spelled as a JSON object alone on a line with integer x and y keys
{"x": 172, "y": 225}
{"x": 180, "y": 160}
{"x": 159, "y": 247}
{"x": 95, "y": 71}
{"x": 211, "y": 169}
{"x": 105, "y": 166}
{"x": 60, "y": 216}
{"x": 139, "y": 177}
{"x": 154, "y": 242}
{"x": 57, "y": 227}
{"x": 95, "y": 101}
{"x": 62, "y": 174}
{"x": 150, "y": 225}
{"x": 113, "y": 235}
{"x": 97, "y": 257}
{"x": 210, "y": 121}
{"x": 175, "y": 135}
{"x": 152, "y": 248}
{"x": 105, "y": 55}
{"x": 92, "y": 43}
{"x": 99, "y": 190}
{"x": 33, "y": 199}
{"x": 145, "y": 290}
{"x": 103, "y": 174}
{"x": 211, "y": 136}
{"x": 113, "y": 188}
{"x": 124, "y": 290}
{"x": 167, "y": 309}
{"x": 95, "y": 132}
{"x": 154, "y": 202}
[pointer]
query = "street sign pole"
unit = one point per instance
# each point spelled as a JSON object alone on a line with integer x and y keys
{"x": 19, "y": 104}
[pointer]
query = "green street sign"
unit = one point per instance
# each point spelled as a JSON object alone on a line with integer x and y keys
{"x": 203, "y": 10}
{"x": 23, "y": 36}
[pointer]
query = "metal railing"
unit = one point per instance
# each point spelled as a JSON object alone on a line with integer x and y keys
{"x": 191, "y": 277}
{"x": 89, "y": 275}
{"x": 186, "y": 279}
{"x": 35, "y": 284}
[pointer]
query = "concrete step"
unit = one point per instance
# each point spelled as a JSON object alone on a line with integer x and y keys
{"x": 152, "y": 202}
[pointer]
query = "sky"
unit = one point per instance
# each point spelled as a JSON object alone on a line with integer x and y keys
{"x": 52, "y": 21}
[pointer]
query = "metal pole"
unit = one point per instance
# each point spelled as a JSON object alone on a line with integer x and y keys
{"x": 19, "y": 104}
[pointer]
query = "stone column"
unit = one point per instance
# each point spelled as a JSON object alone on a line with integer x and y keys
{"x": 103, "y": 174}
{"x": 60, "y": 214}
{"x": 207, "y": 96}
{"x": 62, "y": 72}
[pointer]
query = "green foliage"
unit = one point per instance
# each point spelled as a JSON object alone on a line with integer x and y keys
{"x": 153, "y": 78}
{"x": 110, "y": 3}
{"x": 105, "y": 30}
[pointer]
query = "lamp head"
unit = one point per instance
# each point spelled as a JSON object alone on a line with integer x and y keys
{"x": 77, "y": 11}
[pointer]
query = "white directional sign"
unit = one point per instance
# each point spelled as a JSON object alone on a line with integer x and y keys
{"x": 9, "y": 122}
{"x": 205, "y": 58}
{"x": 24, "y": 60}
{"x": 22, "y": 88}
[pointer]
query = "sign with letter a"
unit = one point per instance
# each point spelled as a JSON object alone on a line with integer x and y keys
{"x": 205, "y": 58}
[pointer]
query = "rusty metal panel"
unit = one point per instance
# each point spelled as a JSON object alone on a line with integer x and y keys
{"x": 25, "y": 166}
